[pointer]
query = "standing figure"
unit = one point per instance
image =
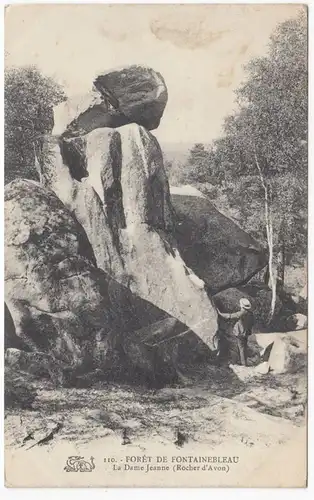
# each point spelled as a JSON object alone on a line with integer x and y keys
{"x": 242, "y": 328}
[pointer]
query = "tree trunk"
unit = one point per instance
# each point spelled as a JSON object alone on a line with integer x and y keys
{"x": 266, "y": 275}
{"x": 37, "y": 165}
{"x": 272, "y": 272}
{"x": 270, "y": 242}
{"x": 281, "y": 258}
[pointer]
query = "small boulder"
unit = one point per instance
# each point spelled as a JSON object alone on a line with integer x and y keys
{"x": 246, "y": 373}
{"x": 304, "y": 292}
{"x": 35, "y": 363}
{"x": 18, "y": 389}
{"x": 288, "y": 353}
{"x": 279, "y": 358}
{"x": 262, "y": 368}
{"x": 296, "y": 322}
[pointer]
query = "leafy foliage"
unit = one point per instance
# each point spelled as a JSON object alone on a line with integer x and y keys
{"x": 197, "y": 168}
{"x": 271, "y": 127}
{"x": 268, "y": 127}
{"x": 28, "y": 101}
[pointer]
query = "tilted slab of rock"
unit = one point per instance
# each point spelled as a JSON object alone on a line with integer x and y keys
{"x": 134, "y": 94}
{"x": 82, "y": 114}
{"x": 217, "y": 250}
{"x": 157, "y": 345}
{"x": 62, "y": 305}
{"x": 126, "y": 170}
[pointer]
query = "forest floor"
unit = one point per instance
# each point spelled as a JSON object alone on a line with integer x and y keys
{"x": 213, "y": 406}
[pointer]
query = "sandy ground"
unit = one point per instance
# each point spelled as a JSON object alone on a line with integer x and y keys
{"x": 212, "y": 405}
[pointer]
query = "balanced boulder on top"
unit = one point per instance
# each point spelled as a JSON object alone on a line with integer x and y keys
{"x": 134, "y": 94}
{"x": 139, "y": 92}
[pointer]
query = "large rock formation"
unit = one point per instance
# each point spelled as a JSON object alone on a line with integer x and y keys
{"x": 102, "y": 272}
{"x": 124, "y": 206}
{"x": 63, "y": 305}
{"x": 217, "y": 250}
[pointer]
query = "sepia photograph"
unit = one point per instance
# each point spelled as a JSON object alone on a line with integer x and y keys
{"x": 155, "y": 245}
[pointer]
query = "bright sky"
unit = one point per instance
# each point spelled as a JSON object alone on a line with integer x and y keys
{"x": 199, "y": 50}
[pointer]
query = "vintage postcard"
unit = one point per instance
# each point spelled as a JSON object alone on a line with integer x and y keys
{"x": 156, "y": 245}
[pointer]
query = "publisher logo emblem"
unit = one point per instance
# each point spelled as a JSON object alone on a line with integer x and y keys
{"x": 78, "y": 464}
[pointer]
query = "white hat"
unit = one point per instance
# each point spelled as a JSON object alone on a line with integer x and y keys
{"x": 245, "y": 303}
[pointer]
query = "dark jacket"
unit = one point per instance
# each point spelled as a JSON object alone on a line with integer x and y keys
{"x": 244, "y": 325}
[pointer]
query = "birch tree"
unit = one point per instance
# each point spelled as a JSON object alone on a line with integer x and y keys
{"x": 263, "y": 153}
